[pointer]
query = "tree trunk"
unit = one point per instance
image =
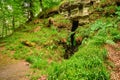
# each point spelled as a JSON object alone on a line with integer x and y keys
{"x": 31, "y": 16}
{"x": 3, "y": 27}
{"x": 13, "y": 24}
{"x": 41, "y": 5}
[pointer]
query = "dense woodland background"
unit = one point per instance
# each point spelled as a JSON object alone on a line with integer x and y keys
{"x": 17, "y": 12}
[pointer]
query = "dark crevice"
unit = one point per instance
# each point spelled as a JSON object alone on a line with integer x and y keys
{"x": 72, "y": 47}
{"x": 72, "y": 39}
{"x": 118, "y": 2}
{"x": 71, "y": 44}
{"x": 74, "y": 25}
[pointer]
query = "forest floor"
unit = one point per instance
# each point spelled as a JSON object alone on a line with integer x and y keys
{"x": 19, "y": 61}
{"x": 114, "y": 56}
{"x": 40, "y": 46}
{"x": 11, "y": 69}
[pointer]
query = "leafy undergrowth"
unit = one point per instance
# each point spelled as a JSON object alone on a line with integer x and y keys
{"x": 45, "y": 50}
{"x": 46, "y": 55}
{"x": 88, "y": 63}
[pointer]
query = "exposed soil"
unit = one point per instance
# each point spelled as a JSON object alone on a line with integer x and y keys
{"x": 114, "y": 56}
{"x": 44, "y": 77}
{"x": 13, "y": 70}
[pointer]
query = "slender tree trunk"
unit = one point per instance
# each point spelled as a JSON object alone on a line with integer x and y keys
{"x": 31, "y": 15}
{"x": 41, "y": 5}
{"x": 3, "y": 27}
{"x": 3, "y": 19}
{"x": 6, "y": 28}
{"x": 13, "y": 23}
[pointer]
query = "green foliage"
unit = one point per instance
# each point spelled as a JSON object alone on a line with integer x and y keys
{"x": 37, "y": 62}
{"x": 101, "y": 24}
{"x": 12, "y": 15}
{"x": 86, "y": 64}
{"x": 88, "y": 61}
{"x": 103, "y": 32}
{"x": 21, "y": 12}
{"x": 50, "y": 3}
{"x": 21, "y": 54}
{"x": 118, "y": 12}
{"x": 46, "y": 45}
{"x": 115, "y": 33}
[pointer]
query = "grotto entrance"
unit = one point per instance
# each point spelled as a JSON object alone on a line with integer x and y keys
{"x": 71, "y": 45}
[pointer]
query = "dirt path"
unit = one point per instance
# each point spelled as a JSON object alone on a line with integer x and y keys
{"x": 13, "y": 70}
{"x": 114, "y": 56}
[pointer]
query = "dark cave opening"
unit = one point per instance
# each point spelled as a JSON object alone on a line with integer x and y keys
{"x": 75, "y": 24}
{"x": 71, "y": 48}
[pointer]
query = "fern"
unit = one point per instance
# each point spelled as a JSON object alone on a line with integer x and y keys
{"x": 118, "y": 12}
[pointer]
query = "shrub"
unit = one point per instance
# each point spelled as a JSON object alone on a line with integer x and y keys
{"x": 37, "y": 62}
{"x": 86, "y": 64}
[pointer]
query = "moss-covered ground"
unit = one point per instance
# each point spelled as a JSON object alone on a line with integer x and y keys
{"x": 46, "y": 54}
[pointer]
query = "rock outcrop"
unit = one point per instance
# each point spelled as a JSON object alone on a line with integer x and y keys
{"x": 78, "y": 9}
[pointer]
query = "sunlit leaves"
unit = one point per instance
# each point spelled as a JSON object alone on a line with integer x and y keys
{"x": 50, "y": 3}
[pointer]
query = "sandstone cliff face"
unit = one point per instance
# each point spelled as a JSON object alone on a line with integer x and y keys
{"x": 78, "y": 9}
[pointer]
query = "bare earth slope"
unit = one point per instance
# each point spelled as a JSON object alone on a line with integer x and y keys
{"x": 13, "y": 70}
{"x": 114, "y": 56}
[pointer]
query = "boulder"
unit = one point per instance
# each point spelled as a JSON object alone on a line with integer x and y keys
{"x": 78, "y": 9}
